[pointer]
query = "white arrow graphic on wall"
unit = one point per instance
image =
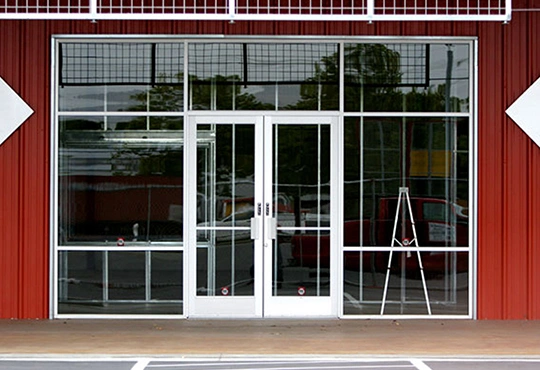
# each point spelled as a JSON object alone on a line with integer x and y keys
{"x": 526, "y": 112}
{"x": 13, "y": 111}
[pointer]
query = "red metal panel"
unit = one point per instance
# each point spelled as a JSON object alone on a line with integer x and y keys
{"x": 24, "y": 178}
{"x": 534, "y": 180}
{"x": 262, "y": 28}
{"x": 338, "y": 28}
{"x": 287, "y": 28}
{"x": 135, "y": 27}
{"x": 515, "y": 174}
{"x": 508, "y": 191}
{"x": 10, "y": 181}
{"x": 313, "y": 28}
{"x": 34, "y": 232}
{"x": 388, "y": 28}
{"x": 185, "y": 27}
{"x": 467, "y": 28}
{"x": 211, "y": 28}
{"x": 362, "y": 28}
{"x": 414, "y": 28}
{"x": 441, "y": 28}
{"x": 236, "y": 28}
{"x": 490, "y": 176}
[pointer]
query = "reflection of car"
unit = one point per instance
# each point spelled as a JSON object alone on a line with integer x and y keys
{"x": 438, "y": 223}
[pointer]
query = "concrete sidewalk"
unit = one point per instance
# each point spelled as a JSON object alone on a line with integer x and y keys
{"x": 271, "y": 337}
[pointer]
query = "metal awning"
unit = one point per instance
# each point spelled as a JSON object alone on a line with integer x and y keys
{"x": 274, "y": 10}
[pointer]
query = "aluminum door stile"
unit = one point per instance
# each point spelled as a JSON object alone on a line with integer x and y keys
{"x": 259, "y": 244}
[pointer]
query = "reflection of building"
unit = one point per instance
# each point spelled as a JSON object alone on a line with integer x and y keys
{"x": 232, "y": 175}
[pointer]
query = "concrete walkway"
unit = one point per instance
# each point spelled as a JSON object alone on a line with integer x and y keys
{"x": 270, "y": 337}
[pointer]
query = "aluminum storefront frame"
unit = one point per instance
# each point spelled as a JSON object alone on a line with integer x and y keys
{"x": 472, "y": 115}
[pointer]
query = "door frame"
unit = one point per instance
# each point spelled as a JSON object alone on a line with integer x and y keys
{"x": 262, "y": 304}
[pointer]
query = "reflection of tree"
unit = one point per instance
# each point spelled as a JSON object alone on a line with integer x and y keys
{"x": 373, "y": 79}
{"x": 226, "y": 89}
{"x": 133, "y": 161}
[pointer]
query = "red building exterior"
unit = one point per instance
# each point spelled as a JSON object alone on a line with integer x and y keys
{"x": 508, "y": 187}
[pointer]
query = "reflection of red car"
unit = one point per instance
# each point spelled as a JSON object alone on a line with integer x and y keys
{"x": 437, "y": 222}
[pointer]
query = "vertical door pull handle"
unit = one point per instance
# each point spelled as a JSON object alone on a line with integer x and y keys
{"x": 259, "y": 209}
{"x": 268, "y": 209}
{"x": 255, "y": 228}
{"x": 272, "y": 228}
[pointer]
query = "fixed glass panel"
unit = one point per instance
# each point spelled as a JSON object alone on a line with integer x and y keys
{"x": 110, "y": 282}
{"x": 446, "y": 275}
{"x": 429, "y": 156}
{"x": 119, "y": 77}
{"x": 301, "y": 191}
{"x": 225, "y": 263}
{"x": 225, "y": 186}
{"x": 260, "y": 76}
{"x": 120, "y": 187}
{"x": 407, "y": 77}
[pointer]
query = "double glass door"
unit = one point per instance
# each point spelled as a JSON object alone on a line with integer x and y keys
{"x": 263, "y": 225}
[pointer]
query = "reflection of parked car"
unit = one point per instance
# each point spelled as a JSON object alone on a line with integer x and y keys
{"x": 438, "y": 223}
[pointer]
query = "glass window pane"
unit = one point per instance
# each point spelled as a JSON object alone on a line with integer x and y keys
{"x": 81, "y": 123}
{"x": 383, "y": 155}
{"x": 120, "y": 188}
{"x": 225, "y": 263}
{"x": 225, "y": 184}
{"x": 301, "y": 174}
{"x": 101, "y": 282}
{"x": 249, "y": 76}
{"x": 446, "y": 275}
{"x": 305, "y": 269}
{"x": 81, "y": 98}
{"x": 407, "y": 77}
{"x": 119, "y": 77}
{"x": 226, "y": 172}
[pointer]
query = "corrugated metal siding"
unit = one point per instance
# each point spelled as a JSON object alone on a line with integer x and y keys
{"x": 534, "y": 181}
{"x": 490, "y": 174}
{"x": 509, "y": 176}
{"x": 24, "y": 179}
{"x": 508, "y": 165}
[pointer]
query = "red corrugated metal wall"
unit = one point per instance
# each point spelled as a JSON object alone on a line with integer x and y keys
{"x": 508, "y": 166}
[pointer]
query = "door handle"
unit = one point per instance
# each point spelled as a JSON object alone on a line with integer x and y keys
{"x": 271, "y": 224}
{"x": 255, "y": 228}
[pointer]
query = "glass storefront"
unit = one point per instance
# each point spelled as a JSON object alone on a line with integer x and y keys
{"x": 328, "y": 173}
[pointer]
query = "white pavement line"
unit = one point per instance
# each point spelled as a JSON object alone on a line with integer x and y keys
{"x": 141, "y": 364}
{"x": 296, "y": 367}
{"x": 420, "y": 365}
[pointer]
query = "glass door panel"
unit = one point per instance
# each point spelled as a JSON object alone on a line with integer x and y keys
{"x": 298, "y": 185}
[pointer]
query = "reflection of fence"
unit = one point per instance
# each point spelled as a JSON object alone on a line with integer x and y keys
{"x": 366, "y": 10}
